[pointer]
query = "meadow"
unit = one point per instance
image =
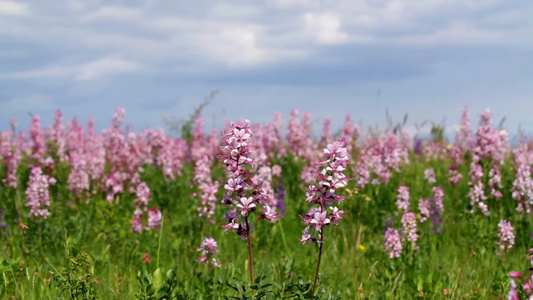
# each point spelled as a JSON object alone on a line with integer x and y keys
{"x": 249, "y": 212}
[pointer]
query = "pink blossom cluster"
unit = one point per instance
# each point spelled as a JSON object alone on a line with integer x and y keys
{"x": 38, "y": 194}
{"x": 453, "y": 175}
{"x": 141, "y": 208}
{"x": 265, "y": 174}
{"x": 409, "y": 229}
{"x": 505, "y": 235}
{"x": 350, "y": 133}
{"x": 523, "y": 184}
{"x": 435, "y": 150}
{"x": 429, "y": 176}
{"x": 393, "y": 242}
{"x": 208, "y": 188}
{"x": 490, "y": 143}
{"x": 432, "y": 208}
{"x": 330, "y": 179}
{"x": 37, "y": 145}
{"x": 208, "y": 249}
{"x": 299, "y": 137}
{"x": 495, "y": 182}
{"x": 464, "y": 138}
{"x": 402, "y": 197}
{"x": 380, "y": 156}
{"x": 244, "y": 194}
{"x": 10, "y": 156}
{"x": 477, "y": 189}
{"x": 57, "y": 135}
{"x": 326, "y": 133}
{"x": 272, "y": 139}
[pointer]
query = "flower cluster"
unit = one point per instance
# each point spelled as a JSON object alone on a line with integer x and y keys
{"x": 244, "y": 193}
{"x": 380, "y": 156}
{"x": 402, "y": 197}
{"x": 393, "y": 242}
{"x": 432, "y": 208}
{"x": 331, "y": 178}
{"x": 429, "y": 176}
{"x": 523, "y": 184}
{"x": 154, "y": 215}
{"x": 10, "y": 155}
{"x": 37, "y": 193}
{"x": 453, "y": 175}
{"x": 207, "y": 187}
{"x": 505, "y": 235}
{"x": 208, "y": 249}
{"x": 409, "y": 229}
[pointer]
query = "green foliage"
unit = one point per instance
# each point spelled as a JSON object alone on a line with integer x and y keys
{"x": 459, "y": 263}
{"x": 76, "y": 281}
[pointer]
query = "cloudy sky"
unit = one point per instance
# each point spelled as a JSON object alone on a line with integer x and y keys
{"x": 427, "y": 59}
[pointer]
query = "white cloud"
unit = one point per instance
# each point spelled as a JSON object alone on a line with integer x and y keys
{"x": 459, "y": 33}
{"x": 117, "y": 13}
{"x": 105, "y": 66}
{"x": 86, "y": 71}
{"x": 13, "y": 8}
{"x": 46, "y": 72}
{"x": 325, "y": 27}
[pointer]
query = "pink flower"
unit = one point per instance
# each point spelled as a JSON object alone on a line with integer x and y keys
{"x": 320, "y": 220}
{"x": 37, "y": 193}
{"x": 208, "y": 249}
{"x": 429, "y": 175}
{"x": 246, "y": 205}
{"x": 330, "y": 179}
{"x": 393, "y": 243}
{"x": 403, "y": 198}
{"x": 506, "y": 235}
{"x": 409, "y": 229}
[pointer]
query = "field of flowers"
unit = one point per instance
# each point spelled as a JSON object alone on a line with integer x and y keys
{"x": 260, "y": 211}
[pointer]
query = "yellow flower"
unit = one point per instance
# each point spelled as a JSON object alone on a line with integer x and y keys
{"x": 362, "y": 247}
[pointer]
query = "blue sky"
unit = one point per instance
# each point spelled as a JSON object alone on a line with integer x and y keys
{"x": 425, "y": 58}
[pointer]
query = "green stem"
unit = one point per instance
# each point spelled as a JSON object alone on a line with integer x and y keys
{"x": 321, "y": 244}
{"x": 248, "y": 239}
{"x": 160, "y": 235}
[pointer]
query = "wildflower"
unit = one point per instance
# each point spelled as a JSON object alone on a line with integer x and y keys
{"x": 393, "y": 243}
{"x": 146, "y": 259}
{"x": 409, "y": 229}
{"x": 37, "y": 193}
{"x": 403, "y": 198}
{"x": 208, "y": 249}
{"x": 506, "y": 235}
{"x": 432, "y": 208}
{"x": 429, "y": 176}
{"x": 154, "y": 215}
{"x": 330, "y": 178}
{"x": 244, "y": 191}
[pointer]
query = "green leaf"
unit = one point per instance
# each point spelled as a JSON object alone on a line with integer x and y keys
{"x": 159, "y": 278}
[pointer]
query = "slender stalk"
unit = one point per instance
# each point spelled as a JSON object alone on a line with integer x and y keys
{"x": 249, "y": 250}
{"x": 160, "y": 236}
{"x": 321, "y": 244}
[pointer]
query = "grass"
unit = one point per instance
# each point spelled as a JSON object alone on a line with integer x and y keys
{"x": 460, "y": 263}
